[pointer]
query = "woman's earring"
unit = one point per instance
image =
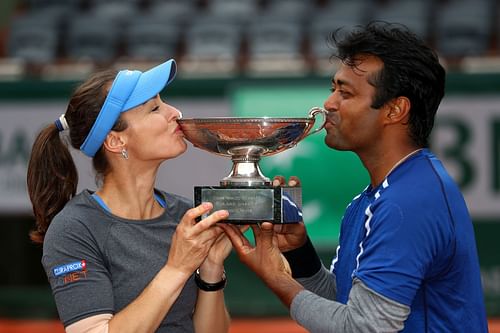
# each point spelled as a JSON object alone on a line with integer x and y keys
{"x": 124, "y": 154}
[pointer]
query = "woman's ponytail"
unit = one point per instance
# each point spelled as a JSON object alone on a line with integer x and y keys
{"x": 52, "y": 179}
{"x": 52, "y": 174}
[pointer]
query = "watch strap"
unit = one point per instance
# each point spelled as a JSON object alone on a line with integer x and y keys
{"x": 206, "y": 286}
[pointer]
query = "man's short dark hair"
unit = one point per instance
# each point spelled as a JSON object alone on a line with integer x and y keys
{"x": 410, "y": 69}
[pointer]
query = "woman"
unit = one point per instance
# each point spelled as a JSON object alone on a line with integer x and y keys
{"x": 122, "y": 258}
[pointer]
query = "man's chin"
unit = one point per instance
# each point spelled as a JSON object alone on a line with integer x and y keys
{"x": 334, "y": 145}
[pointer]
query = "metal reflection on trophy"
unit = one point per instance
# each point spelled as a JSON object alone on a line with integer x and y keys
{"x": 246, "y": 192}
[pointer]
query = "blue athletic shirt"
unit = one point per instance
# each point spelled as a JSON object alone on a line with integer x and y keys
{"x": 411, "y": 239}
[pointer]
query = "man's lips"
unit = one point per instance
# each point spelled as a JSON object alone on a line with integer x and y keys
{"x": 330, "y": 122}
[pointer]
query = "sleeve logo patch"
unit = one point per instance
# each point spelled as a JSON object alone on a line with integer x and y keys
{"x": 77, "y": 266}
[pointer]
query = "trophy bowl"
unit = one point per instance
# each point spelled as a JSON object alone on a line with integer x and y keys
{"x": 246, "y": 140}
{"x": 246, "y": 192}
{"x": 229, "y": 136}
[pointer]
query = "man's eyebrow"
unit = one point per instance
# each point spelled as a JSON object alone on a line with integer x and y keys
{"x": 340, "y": 83}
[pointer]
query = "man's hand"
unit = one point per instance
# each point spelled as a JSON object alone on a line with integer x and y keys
{"x": 293, "y": 235}
{"x": 265, "y": 259}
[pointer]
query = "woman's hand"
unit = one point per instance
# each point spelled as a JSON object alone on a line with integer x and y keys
{"x": 193, "y": 240}
{"x": 213, "y": 266}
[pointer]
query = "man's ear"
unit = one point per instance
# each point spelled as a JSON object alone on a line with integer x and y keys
{"x": 115, "y": 142}
{"x": 398, "y": 110}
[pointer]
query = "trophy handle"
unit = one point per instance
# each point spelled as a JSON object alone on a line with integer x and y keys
{"x": 312, "y": 114}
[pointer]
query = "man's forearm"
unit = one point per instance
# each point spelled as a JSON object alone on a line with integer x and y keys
{"x": 284, "y": 286}
{"x": 366, "y": 311}
{"x": 304, "y": 261}
{"x": 322, "y": 284}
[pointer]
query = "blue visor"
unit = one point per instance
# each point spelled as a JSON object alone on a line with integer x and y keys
{"x": 129, "y": 90}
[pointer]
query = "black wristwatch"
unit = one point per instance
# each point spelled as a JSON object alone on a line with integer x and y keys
{"x": 205, "y": 286}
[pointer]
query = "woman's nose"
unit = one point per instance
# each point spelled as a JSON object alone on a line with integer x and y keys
{"x": 174, "y": 113}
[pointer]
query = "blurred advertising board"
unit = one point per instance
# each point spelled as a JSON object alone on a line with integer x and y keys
{"x": 466, "y": 137}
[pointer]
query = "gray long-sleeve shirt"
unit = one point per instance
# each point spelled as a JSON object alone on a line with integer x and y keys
{"x": 366, "y": 311}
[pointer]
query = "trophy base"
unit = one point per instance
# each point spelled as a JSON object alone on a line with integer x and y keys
{"x": 255, "y": 204}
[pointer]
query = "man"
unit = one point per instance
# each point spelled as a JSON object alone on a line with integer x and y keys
{"x": 406, "y": 259}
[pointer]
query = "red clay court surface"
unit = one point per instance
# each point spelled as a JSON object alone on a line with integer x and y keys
{"x": 273, "y": 325}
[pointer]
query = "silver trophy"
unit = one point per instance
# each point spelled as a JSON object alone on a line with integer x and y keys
{"x": 246, "y": 193}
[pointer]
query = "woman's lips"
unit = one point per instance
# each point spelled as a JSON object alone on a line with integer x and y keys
{"x": 178, "y": 130}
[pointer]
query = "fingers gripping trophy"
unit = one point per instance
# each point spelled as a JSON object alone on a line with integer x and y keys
{"x": 246, "y": 193}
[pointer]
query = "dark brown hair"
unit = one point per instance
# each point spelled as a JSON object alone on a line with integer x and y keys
{"x": 411, "y": 69}
{"x": 52, "y": 176}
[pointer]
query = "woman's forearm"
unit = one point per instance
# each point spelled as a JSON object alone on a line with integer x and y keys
{"x": 145, "y": 313}
{"x": 148, "y": 310}
{"x": 211, "y": 315}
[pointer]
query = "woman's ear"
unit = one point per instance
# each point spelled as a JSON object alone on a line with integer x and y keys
{"x": 115, "y": 142}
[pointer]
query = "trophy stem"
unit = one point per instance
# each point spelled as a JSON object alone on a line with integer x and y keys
{"x": 246, "y": 170}
{"x": 245, "y": 173}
